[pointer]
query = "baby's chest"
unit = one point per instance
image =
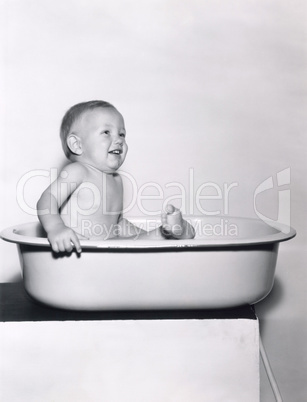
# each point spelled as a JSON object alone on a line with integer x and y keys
{"x": 102, "y": 197}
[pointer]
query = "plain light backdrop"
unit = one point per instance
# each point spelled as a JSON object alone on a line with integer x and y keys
{"x": 215, "y": 87}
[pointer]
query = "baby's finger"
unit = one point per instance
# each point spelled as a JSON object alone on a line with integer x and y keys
{"x": 68, "y": 246}
{"x": 76, "y": 242}
{"x": 54, "y": 247}
{"x": 61, "y": 246}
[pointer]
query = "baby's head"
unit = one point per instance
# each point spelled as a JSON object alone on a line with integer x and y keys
{"x": 73, "y": 115}
{"x": 94, "y": 131}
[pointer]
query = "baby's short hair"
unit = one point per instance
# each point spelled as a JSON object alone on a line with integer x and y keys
{"x": 75, "y": 113}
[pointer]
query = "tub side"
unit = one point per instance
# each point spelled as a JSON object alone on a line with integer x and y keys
{"x": 150, "y": 279}
{"x": 210, "y": 232}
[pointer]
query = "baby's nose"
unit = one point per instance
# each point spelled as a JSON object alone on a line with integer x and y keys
{"x": 119, "y": 141}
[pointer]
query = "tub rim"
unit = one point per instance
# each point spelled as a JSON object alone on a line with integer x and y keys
{"x": 284, "y": 233}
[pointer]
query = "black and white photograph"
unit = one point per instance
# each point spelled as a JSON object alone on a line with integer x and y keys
{"x": 153, "y": 200}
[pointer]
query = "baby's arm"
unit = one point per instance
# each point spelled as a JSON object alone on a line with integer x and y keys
{"x": 61, "y": 237}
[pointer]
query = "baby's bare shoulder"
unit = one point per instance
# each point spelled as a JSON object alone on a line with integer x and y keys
{"x": 74, "y": 170}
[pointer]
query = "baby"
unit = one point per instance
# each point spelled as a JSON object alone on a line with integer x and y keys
{"x": 88, "y": 192}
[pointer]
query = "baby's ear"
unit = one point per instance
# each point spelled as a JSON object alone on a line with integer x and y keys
{"x": 74, "y": 144}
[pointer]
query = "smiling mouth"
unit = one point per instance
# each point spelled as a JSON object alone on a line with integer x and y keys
{"x": 116, "y": 152}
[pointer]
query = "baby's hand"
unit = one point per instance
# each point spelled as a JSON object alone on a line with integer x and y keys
{"x": 63, "y": 239}
{"x": 174, "y": 226}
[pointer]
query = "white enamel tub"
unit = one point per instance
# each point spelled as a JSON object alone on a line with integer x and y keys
{"x": 230, "y": 262}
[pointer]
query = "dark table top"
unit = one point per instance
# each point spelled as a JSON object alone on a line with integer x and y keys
{"x": 16, "y": 306}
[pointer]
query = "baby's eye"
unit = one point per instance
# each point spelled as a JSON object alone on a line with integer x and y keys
{"x": 106, "y": 132}
{"x": 122, "y": 135}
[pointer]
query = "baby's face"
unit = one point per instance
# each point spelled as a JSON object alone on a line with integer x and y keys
{"x": 102, "y": 133}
